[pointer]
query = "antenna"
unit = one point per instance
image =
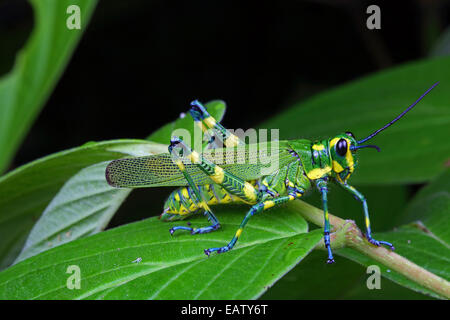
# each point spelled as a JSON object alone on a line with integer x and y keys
{"x": 399, "y": 116}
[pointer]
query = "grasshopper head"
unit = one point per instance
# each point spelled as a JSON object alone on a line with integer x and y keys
{"x": 343, "y": 154}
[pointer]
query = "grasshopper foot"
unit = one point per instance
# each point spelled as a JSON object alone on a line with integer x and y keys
{"x": 195, "y": 230}
{"x": 218, "y": 250}
{"x": 379, "y": 243}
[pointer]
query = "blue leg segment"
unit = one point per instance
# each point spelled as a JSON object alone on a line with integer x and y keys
{"x": 322, "y": 186}
{"x": 257, "y": 208}
{"x": 361, "y": 198}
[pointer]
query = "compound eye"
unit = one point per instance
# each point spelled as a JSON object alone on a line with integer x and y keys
{"x": 348, "y": 133}
{"x": 341, "y": 147}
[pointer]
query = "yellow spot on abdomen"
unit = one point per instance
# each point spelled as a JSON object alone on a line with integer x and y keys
{"x": 249, "y": 191}
{"x": 185, "y": 193}
{"x": 183, "y": 210}
{"x": 213, "y": 200}
{"x": 238, "y": 232}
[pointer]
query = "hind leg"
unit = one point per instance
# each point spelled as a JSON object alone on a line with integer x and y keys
{"x": 205, "y": 121}
{"x": 197, "y": 197}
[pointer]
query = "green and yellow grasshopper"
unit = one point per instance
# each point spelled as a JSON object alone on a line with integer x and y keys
{"x": 210, "y": 178}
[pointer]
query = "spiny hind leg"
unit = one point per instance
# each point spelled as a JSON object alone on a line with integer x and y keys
{"x": 234, "y": 185}
{"x": 179, "y": 204}
{"x": 257, "y": 208}
{"x": 361, "y": 198}
{"x": 205, "y": 121}
{"x": 197, "y": 197}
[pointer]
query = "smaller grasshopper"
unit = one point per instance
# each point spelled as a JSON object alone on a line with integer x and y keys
{"x": 303, "y": 164}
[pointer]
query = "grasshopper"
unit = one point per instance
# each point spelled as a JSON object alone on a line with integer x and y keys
{"x": 206, "y": 179}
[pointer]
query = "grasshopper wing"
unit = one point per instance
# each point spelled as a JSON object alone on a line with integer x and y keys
{"x": 159, "y": 170}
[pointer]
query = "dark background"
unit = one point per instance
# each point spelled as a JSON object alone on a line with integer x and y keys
{"x": 140, "y": 63}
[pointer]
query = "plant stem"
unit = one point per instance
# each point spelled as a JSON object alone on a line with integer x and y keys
{"x": 347, "y": 234}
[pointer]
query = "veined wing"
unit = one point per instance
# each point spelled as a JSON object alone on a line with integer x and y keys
{"x": 247, "y": 162}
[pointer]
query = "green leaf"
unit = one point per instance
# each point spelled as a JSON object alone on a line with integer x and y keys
{"x": 216, "y": 109}
{"x": 143, "y": 261}
{"x": 87, "y": 203}
{"x": 413, "y": 150}
{"x": 83, "y": 206}
{"x": 430, "y": 209}
{"x": 30, "y": 188}
{"x": 426, "y": 240}
{"x": 345, "y": 279}
{"x": 415, "y": 245}
{"x": 38, "y": 67}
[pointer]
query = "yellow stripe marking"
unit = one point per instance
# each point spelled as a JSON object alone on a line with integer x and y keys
{"x": 231, "y": 141}
{"x": 268, "y": 204}
{"x": 238, "y": 232}
{"x": 350, "y": 161}
{"x": 318, "y": 172}
{"x": 337, "y": 167}
{"x": 210, "y": 122}
{"x": 183, "y": 210}
{"x": 180, "y": 165}
{"x": 213, "y": 200}
{"x": 185, "y": 193}
{"x": 218, "y": 176}
{"x": 249, "y": 191}
{"x": 194, "y": 157}
{"x": 318, "y": 147}
{"x": 334, "y": 141}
